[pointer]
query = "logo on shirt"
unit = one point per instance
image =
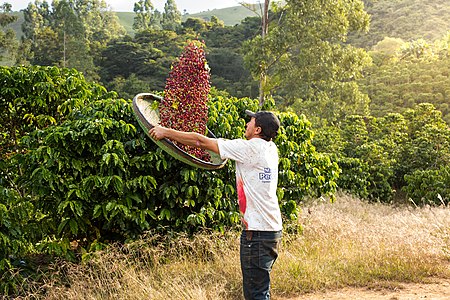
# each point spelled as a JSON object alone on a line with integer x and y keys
{"x": 266, "y": 176}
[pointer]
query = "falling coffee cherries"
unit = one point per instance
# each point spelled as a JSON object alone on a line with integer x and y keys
{"x": 184, "y": 106}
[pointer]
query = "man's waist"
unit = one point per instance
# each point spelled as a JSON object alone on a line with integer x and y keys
{"x": 261, "y": 235}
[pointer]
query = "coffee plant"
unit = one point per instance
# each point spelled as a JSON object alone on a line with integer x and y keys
{"x": 428, "y": 143}
{"x": 17, "y": 233}
{"x": 93, "y": 177}
{"x": 90, "y": 176}
{"x": 30, "y": 98}
{"x": 367, "y": 168}
{"x": 429, "y": 186}
{"x": 184, "y": 106}
{"x": 381, "y": 157}
{"x": 303, "y": 172}
{"x": 36, "y": 97}
{"x": 355, "y": 177}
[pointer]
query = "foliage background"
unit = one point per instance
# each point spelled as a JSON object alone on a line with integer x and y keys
{"x": 77, "y": 173}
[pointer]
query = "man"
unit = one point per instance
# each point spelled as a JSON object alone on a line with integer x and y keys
{"x": 256, "y": 179}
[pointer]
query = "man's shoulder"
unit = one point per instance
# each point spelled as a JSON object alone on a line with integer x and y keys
{"x": 231, "y": 141}
{"x": 256, "y": 144}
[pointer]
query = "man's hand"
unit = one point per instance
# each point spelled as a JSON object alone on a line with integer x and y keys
{"x": 158, "y": 132}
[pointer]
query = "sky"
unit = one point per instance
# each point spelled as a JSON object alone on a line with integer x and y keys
{"x": 191, "y": 6}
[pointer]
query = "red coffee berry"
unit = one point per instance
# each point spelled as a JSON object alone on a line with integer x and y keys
{"x": 184, "y": 105}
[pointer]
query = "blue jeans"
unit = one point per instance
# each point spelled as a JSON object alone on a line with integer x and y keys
{"x": 259, "y": 250}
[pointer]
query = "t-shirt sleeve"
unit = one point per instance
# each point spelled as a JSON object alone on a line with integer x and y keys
{"x": 237, "y": 150}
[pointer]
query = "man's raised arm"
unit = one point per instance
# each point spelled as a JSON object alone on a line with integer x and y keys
{"x": 187, "y": 138}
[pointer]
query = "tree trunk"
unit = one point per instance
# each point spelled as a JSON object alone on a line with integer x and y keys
{"x": 265, "y": 29}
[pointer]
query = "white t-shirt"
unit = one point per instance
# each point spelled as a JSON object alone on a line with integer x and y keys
{"x": 256, "y": 181}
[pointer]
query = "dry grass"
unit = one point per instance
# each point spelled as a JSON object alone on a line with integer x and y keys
{"x": 355, "y": 243}
{"x": 156, "y": 267}
{"x": 346, "y": 243}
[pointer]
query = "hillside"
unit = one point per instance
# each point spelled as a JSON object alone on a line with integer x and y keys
{"x": 405, "y": 19}
{"x": 126, "y": 19}
{"x": 17, "y": 26}
{"x": 230, "y": 16}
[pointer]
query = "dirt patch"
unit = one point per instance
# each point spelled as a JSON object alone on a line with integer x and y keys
{"x": 437, "y": 289}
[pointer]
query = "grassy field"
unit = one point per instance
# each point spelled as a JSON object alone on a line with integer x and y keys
{"x": 230, "y": 15}
{"x": 348, "y": 243}
{"x": 126, "y": 19}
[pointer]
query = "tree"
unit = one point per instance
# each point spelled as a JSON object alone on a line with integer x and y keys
{"x": 69, "y": 34}
{"x": 8, "y": 41}
{"x": 195, "y": 25}
{"x": 101, "y": 26}
{"x": 307, "y": 60}
{"x": 143, "y": 10}
{"x": 416, "y": 73}
{"x": 144, "y": 59}
{"x": 171, "y": 17}
{"x": 146, "y": 16}
{"x": 264, "y": 68}
{"x": 225, "y": 56}
{"x": 217, "y": 23}
{"x": 70, "y": 30}
{"x": 388, "y": 45}
{"x": 418, "y": 49}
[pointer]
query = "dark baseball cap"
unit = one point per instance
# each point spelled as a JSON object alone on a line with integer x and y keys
{"x": 268, "y": 122}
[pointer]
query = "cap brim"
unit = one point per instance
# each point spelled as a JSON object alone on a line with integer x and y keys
{"x": 250, "y": 113}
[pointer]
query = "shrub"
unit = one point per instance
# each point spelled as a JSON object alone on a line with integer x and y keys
{"x": 97, "y": 177}
{"x": 354, "y": 178}
{"x": 18, "y": 230}
{"x": 36, "y": 97}
{"x": 429, "y": 186}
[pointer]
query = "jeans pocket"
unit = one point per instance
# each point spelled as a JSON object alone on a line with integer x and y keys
{"x": 249, "y": 254}
{"x": 268, "y": 253}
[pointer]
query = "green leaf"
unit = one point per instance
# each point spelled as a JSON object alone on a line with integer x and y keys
{"x": 106, "y": 158}
{"x": 118, "y": 184}
{"x": 62, "y": 225}
{"x": 165, "y": 214}
{"x": 73, "y": 226}
{"x": 97, "y": 211}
